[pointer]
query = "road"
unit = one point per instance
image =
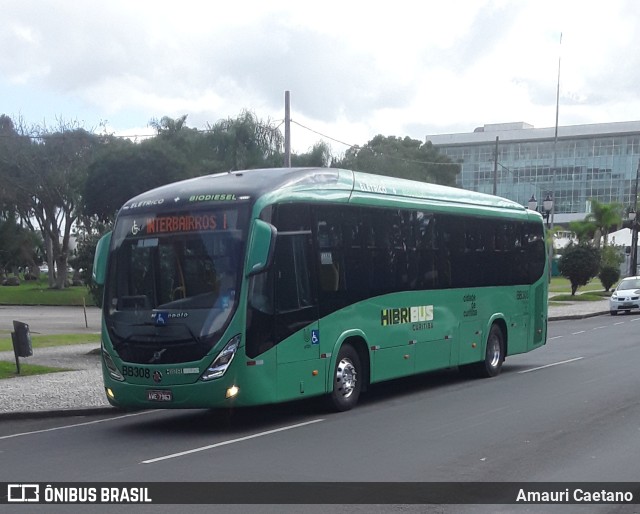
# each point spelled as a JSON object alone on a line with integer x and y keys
{"x": 52, "y": 320}
{"x": 569, "y": 412}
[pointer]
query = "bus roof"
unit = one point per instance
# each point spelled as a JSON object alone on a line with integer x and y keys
{"x": 252, "y": 184}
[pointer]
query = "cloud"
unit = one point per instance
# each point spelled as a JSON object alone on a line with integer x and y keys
{"x": 354, "y": 69}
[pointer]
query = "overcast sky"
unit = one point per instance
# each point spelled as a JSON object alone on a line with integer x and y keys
{"x": 355, "y": 69}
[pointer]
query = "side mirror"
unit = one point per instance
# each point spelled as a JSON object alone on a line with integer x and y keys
{"x": 100, "y": 259}
{"x": 261, "y": 247}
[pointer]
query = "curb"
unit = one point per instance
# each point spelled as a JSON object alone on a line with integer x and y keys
{"x": 576, "y": 316}
{"x": 60, "y": 413}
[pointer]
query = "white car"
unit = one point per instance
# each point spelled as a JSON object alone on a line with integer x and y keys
{"x": 625, "y": 296}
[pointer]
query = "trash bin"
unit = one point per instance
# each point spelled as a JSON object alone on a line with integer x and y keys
{"x": 22, "y": 339}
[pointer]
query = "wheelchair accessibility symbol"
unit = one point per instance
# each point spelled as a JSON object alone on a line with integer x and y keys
{"x": 315, "y": 336}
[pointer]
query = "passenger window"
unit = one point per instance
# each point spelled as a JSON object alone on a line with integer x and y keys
{"x": 293, "y": 288}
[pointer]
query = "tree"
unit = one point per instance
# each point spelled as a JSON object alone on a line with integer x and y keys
{"x": 245, "y": 142}
{"x": 319, "y": 155}
{"x": 169, "y": 126}
{"x": 579, "y": 263}
{"x": 19, "y": 247}
{"x": 611, "y": 259}
{"x": 44, "y": 174}
{"x": 404, "y": 158}
{"x": 612, "y": 256}
{"x": 584, "y": 230}
{"x": 118, "y": 175}
{"x": 604, "y": 217}
{"x": 87, "y": 238}
{"x": 608, "y": 276}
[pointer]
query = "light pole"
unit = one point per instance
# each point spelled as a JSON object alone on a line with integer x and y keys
{"x": 547, "y": 212}
{"x": 547, "y": 206}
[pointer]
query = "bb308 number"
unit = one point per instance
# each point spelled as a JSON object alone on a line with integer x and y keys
{"x": 133, "y": 371}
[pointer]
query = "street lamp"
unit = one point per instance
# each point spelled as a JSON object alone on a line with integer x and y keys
{"x": 633, "y": 262}
{"x": 547, "y": 206}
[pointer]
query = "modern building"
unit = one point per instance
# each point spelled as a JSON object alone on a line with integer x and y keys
{"x": 584, "y": 162}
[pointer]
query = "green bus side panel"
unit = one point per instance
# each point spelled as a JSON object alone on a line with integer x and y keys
{"x": 540, "y": 312}
{"x": 299, "y": 346}
{"x": 518, "y": 332}
{"x": 301, "y": 379}
{"x": 257, "y": 383}
{"x": 434, "y": 354}
{"x": 393, "y": 362}
{"x": 301, "y": 372}
{"x": 471, "y": 342}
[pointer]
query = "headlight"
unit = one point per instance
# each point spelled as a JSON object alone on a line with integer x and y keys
{"x": 113, "y": 369}
{"x": 220, "y": 364}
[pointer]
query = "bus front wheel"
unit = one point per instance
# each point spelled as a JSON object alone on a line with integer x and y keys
{"x": 346, "y": 380}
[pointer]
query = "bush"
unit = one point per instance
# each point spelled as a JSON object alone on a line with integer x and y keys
{"x": 608, "y": 276}
{"x": 612, "y": 256}
{"x": 11, "y": 281}
{"x": 580, "y": 263}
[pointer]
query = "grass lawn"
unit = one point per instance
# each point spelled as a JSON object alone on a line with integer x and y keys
{"x": 44, "y": 341}
{"x": 38, "y": 293}
{"x": 584, "y": 297}
{"x": 562, "y": 285}
{"x": 8, "y": 370}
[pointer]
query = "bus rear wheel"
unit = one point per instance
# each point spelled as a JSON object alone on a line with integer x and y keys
{"x": 493, "y": 357}
{"x": 346, "y": 382}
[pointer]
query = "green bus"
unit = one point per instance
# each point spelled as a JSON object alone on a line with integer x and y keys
{"x": 262, "y": 286}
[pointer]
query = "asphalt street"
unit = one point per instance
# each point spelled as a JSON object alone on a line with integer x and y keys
{"x": 51, "y": 320}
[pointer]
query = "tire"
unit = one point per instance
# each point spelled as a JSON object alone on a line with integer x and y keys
{"x": 493, "y": 357}
{"x": 347, "y": 380}
{"x": 613, "y": 313}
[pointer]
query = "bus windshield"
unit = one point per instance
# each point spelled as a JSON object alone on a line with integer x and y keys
{"x": 173, "y": 282}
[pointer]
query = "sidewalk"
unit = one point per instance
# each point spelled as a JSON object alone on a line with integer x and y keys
{"x": 578, "y": 310}
{"x": 80, "y": 391}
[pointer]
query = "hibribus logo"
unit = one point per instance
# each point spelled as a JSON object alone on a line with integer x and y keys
{"x": 406, "y": 315}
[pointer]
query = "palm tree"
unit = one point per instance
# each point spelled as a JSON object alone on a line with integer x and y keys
{"x": 604, "y": 216}
{"x": 584, "y": 230}
{"x": 169, "y": 125}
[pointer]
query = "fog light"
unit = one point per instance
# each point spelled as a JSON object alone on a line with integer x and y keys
{"x": 110, "y": 393}
{"x": 232, "y": 391}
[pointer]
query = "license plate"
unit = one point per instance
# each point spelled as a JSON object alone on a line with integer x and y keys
{"x": 159, "y": 395}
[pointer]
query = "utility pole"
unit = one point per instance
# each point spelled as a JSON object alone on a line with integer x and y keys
{"x": 555, "y": 139}
{"x": 287, "y": 129}
{"x": 555, "y": 164}
{"x": 495, "y": 169}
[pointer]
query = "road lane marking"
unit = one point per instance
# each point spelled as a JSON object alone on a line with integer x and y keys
{"x": 598, "y": 328}
{"x": 579, "y": 332}
{"x": 554, "y": 337}
{"x": 77, "y": 424}
{"x": 230, "y": 441}
{"x": 549, "y": 365}
{"x": 619, "y": 323}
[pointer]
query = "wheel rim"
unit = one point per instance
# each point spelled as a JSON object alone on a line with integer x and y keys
{"x": 494, "y": 352}
{"x": 346, "y": 377}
